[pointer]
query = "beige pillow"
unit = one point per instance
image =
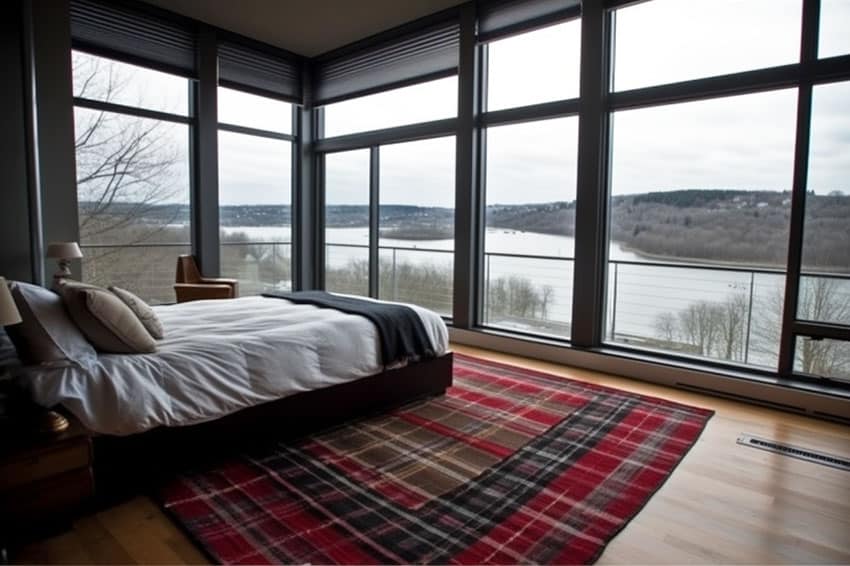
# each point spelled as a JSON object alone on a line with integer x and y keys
{"x": 142, "y": 311}
{"x": 106, "y": 321}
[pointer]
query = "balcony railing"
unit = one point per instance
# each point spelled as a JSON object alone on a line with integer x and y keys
{"x": 728, "y": 313}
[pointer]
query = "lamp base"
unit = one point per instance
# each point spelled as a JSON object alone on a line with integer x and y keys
{"x": 52, "y": 422}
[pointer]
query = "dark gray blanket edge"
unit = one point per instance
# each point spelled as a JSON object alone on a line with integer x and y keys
{"x": 401, "y": 332}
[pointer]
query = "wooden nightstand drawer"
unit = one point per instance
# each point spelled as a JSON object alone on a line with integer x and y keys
{"x": 44, "y": 463}
{"x": 56, "y": 495}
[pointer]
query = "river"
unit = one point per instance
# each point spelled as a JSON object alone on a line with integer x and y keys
{"x": 639, "y": 296}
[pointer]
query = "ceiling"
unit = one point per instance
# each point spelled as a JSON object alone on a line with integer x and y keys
{"x": 306, "y": 27}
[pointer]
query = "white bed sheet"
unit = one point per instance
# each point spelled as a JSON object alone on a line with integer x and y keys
{"x": 218, "y": 357}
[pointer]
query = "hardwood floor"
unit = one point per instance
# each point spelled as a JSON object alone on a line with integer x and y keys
{"x": 725, "y": 503}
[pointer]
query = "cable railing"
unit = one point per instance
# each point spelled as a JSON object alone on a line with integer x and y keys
{"x": 723, "y": 312}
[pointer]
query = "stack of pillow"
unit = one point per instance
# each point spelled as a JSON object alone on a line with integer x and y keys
{"x": 77, "y": 320}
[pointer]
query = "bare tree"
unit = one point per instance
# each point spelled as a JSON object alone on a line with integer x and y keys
{"x": 699, "y": 326}
{"x": 666, "y": 328}
{"x": 731, "y": 320}
{"x": 828, "y": 300}
{"x": 126, "y": 165}
{"x": 719, "y": 329}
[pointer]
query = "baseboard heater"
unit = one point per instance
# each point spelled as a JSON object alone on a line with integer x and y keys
{"x": 798, "y": 452}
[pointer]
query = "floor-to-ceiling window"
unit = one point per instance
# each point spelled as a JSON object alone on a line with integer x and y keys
{"x": 416, "y": 222}
{"x": 132, "y": 136}
{"x": 529, "y": 179}
{"x": 824, "y": 285}
{"x": 255, "y": 190}
{"x": 389, "y": 202}
{"x": 700, "y": 191}
{"x": 347, "y": 222}
{"x": 702, "y": 183}
{"x": 699, "y": 225}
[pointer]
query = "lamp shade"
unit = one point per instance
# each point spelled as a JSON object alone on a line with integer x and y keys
{"x": 64, "y": 250}
{"x": 8, "y": 311}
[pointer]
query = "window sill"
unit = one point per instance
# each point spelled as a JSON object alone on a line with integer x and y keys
{"x": 793, "y": 395}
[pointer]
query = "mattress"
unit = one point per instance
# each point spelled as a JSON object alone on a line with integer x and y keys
{"x": 218, "y": 357}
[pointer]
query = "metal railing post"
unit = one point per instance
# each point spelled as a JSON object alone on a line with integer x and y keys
{"x": 614, "y": 300}
{"x": 749, "y": 318}
{"x": 395, "y": 277}
{"x": 487, "y": 306}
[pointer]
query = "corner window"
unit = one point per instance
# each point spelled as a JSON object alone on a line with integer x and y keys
{"x": 255, "y": 191}
{"x": 133, "y": 175}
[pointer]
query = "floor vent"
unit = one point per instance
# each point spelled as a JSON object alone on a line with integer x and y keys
{"x": 795, "y": 452}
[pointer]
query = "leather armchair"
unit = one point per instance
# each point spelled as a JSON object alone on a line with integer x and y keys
{"x": 192, "y": 286}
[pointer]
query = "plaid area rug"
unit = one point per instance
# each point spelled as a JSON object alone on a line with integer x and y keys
{"x": 510, "y": 466}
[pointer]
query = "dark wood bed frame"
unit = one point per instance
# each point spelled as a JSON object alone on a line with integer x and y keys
{"x": 125, "y": 465}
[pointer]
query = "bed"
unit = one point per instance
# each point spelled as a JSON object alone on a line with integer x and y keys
{"x": 230, "y": 373}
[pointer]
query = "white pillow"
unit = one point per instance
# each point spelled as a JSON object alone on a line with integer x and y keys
{"x": 46, "y": 334}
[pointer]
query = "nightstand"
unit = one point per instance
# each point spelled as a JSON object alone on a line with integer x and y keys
{"x": 44, "y": 477}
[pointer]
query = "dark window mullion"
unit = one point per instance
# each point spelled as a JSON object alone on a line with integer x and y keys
{"x": 295, "y": 201}
{"x": 591, "y": 232}
{"x": 204, "y": 152}
{"x": 258, "y": 133}
{"x": 374, "y": 219}
{"x": 808, "y": 54}
{"x": 114, "y": 108}
{"x": 480, "y": 201}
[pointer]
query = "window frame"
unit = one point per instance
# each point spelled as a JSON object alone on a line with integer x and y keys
{"x": 802, "y": 76}
{"x": 294, "y": 169}
{"x": 190, "y": 120}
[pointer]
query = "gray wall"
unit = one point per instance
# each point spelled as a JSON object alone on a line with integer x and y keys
{"x": 15, "y": 260}
{"x": 51, "y": 47}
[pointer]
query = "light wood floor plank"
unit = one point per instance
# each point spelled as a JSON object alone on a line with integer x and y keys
{"x": 724, "y": 504}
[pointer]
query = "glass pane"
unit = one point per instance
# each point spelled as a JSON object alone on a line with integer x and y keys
{"x": 105, "y": 80}
{"x": 667, "y": 41}
{"x": 703, "y": 183}
{"x": 823, "y": 358}
{"x": 419, "y": 276}
{"x": 539, "y": 66}
{"x": 147, "y": 270}
{"x": 417, "y": 185}
{"x": 133, "y": 198}
{"x": 529, "y": 294}
{"x": 834, "y": 28}
{"x": 826, "y": 229}
{"x": 347, "y": 269}
{"x": 423, "y": 102}
{"x": 255, "y": 195}
{"x": 347, "y": 222}
{"x": 251, "y": 111}
{"x": 529, "y": 245}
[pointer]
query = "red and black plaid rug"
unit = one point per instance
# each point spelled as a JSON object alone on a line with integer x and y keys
{"x": 510, "y": 466}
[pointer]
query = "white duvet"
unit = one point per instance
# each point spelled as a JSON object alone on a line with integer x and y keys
{"x": 218, "y": 357}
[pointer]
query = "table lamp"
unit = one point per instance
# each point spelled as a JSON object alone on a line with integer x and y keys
{"x": 9, "y": 314}
{"x": 63, "y": 252}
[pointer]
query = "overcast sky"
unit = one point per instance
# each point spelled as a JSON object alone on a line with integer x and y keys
{"x": 742, "y": 142}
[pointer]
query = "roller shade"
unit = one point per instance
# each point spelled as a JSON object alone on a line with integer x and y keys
{"x": 419, "y": 56}
{"x": 497, "y": 18}
{"x": 135, "y": 35}
{"x": 259, "y": 70}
